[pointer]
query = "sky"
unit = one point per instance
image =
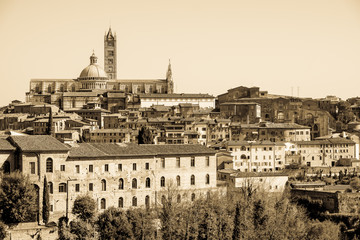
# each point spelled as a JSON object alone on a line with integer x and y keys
{"x": 277, "y": 45}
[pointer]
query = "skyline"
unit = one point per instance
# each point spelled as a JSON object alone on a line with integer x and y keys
{"x": 275, "y": 45}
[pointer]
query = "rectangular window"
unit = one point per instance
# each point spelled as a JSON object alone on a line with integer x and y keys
{"x": 77, "y": 187}
{"x": 147, "y": 166}
{"x": 62, "y": 168}
{"x": 134, "y": 166}
{"x": 207, "y": 161}
{"x": 91, "y": 187}
{"x": 120, "y": 167}
{"x": 178, "y": 162}
{"x": 91, "y": 168}
{"x": 163, "y": 162}
{"x": 51, "y": 208}
{"x": 32, "y": 167}
{"x": 192, "y": 162}
{"x": 106, "y": 167}
{"x": 77, "y": 168}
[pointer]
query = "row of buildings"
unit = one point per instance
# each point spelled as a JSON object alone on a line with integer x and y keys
{"x": 119, "y": 175}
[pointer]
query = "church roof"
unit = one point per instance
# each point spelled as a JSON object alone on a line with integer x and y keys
{"x": 93, "y": 71}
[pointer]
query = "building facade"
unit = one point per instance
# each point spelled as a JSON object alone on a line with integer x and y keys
{"x": 116, "y": 175}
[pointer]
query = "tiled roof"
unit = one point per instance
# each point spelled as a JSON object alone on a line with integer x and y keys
{"x": 38, "y": 143}
{"x": 116, "y": 95}
{"x": 80, "y": 94}
{"x": 118, "y": 150}
{"x": 6, "y": 146}
{"x": 326, "y": 141}
{"x": 176, "y": 95}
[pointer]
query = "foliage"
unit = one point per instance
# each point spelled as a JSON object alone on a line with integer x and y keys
{"x": 355, "y": 183}
{"x": 323, "y": 231}
{"x": 46, "y": 202}
{"x": 142, "y": 223}
{"x": 82, "y": 230}
{"x": 145, "y": 136}
{"x": 64, "y": 230}
{"x": 2, "y": 230}
{"x": 17, "y": 199}
{"x": 84, "y": 208}
{"x": 113, "y": 224}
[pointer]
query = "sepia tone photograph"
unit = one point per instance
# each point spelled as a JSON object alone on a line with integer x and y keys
{"x": 189, "y": 120}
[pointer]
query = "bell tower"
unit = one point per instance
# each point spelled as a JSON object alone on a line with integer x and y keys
{"x": 110, "y": 54}
{"x": 169, "y": 79}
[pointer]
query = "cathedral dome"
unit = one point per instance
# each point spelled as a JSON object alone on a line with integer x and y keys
{"x": 93, "y": 71}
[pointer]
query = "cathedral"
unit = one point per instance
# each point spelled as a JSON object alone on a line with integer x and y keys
{"x": 96, "y": 85}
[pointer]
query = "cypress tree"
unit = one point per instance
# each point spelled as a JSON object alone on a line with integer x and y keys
{"x": 236, "y": 231}
{"x": 49, "y": 130}
{"x": 46, "y": 202}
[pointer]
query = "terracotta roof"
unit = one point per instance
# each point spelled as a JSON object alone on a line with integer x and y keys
{"x": 6, "y": 146}
{"x": 38, "y": 143}
{"x": 175, "y": 95}
{"x": 118, "y": 150}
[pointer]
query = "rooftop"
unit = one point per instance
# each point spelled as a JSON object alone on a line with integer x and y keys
{"x": 118, "y": 150}
{"x": 37, "y": 143}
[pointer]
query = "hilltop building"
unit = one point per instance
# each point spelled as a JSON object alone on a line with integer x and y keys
{"x": 116, "y": 175}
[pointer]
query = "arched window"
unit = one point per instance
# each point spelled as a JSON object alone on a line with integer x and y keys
{"x": 134, "y": 201}
{"x": 49, "y": 88}
{"x": 103, "y": 203}
{"x": 147, "y": 201}
{"x": 178, "y": 199}
{"x": 243, "y": 148}
{"x": 49, "y": 165}
{"x": 134, "y": 183}
{"x": 162, "y": 182}
{"x": 193, "y": 197}
{"x": 62, "y": 88}
{"x": 121, "y": 202}
{"x": 51, "y": 188}
{"x": 121, "y": 183}
{"x": 192, "y": 180}
{"x": 178, "y": 180}
{"x": 62, "y": 187}
{"x": 6, "y": 167}
{"x": 207, "y": 179}
{"x": 243, "y": 156}
{"x": 147, "y": 183}
{"x": 103, "y": 185}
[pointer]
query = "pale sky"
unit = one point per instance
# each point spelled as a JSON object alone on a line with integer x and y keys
{"x": 213, "y": 45}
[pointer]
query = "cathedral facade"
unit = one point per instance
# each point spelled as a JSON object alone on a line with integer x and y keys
{"x": 97, "y": 85}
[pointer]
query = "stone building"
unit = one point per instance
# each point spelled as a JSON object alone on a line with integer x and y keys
{"x": 260, "y": 156}
{"x": 325, "y": 152}
{"x": 95, "y": 84}
{"x": 116, "y": 175}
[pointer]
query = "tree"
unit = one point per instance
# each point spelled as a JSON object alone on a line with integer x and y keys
{"x": 49, "y": 129}
{"x": 17, "y": 199}
{"x": 84, "y": 208}
{"x": 113, "y": 224}
{"x": 355, "y": 183}
{"x": 2, "y": 230}
{"x": 142, "y": 224}
{"x": 64, "y": 230}
{"x": 82, "y": 230}
{"x": 236, "y": 231}
{"x": 145, "y": 136}
{"x": 46, "y": 202}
